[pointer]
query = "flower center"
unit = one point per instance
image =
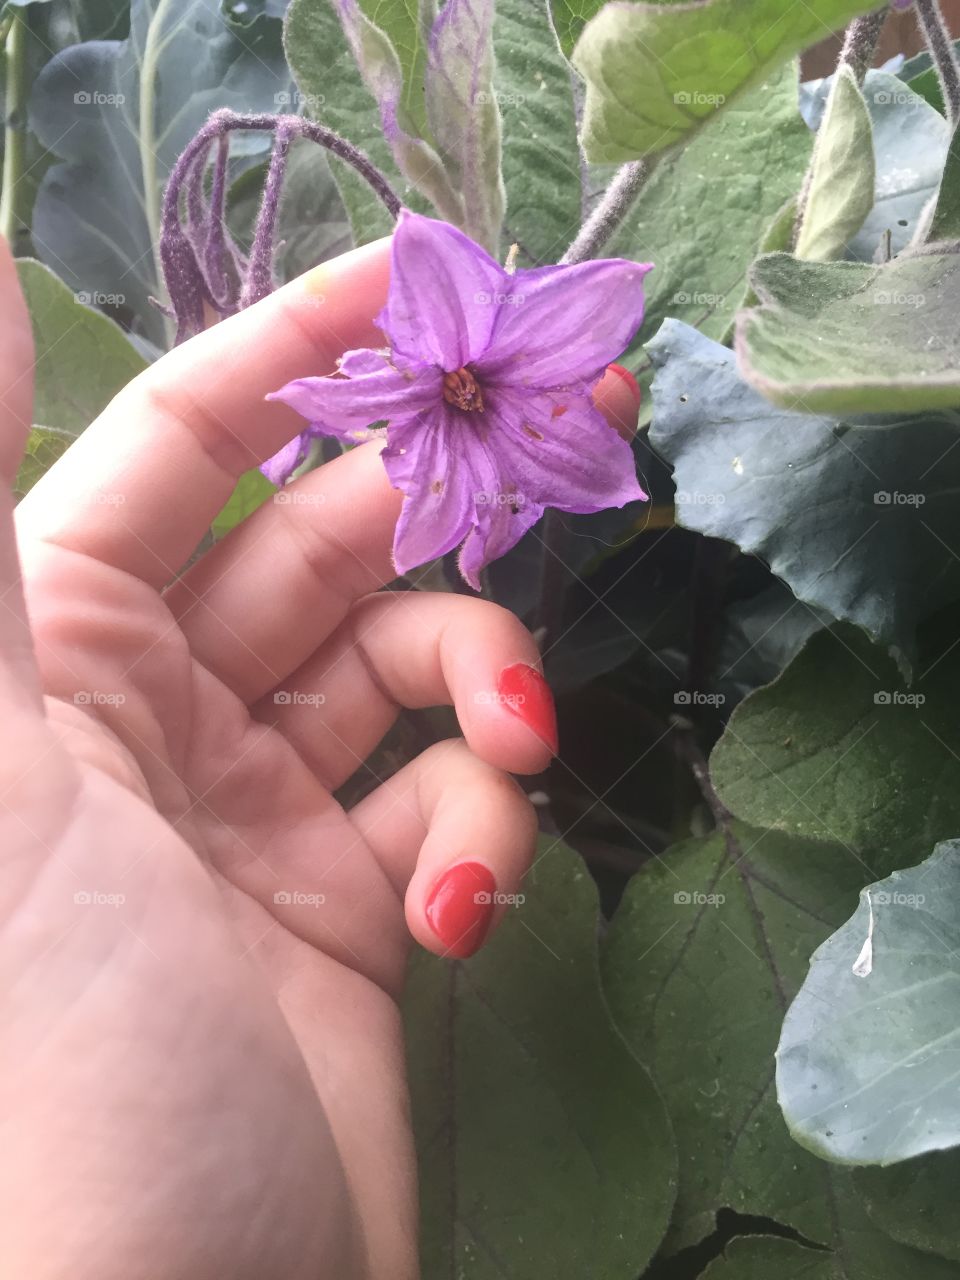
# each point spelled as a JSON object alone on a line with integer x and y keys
{"x": 462, "y": 390}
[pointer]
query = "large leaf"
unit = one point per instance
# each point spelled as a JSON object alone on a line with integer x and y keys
{"x": 544, "y": 1149}
{"x": 656, "y": 72}
{"x": 844, "y": 337}
{"x": 541, "y": 161}
{"x": 870, "y": 1049}
{"x": 82, "y": 358}
{"x": 910, "y": 142}
{"x": 842, "y": 177}
{"x": 119, "y": 113}
{"x": 916, "y": 1201}
{"x": 702, "y": 233}
{"x": 704, "y": 953}
{"x": 837, "y": 749}
{"x": 859, "y": 519}
{"x": 869, "y": 1256}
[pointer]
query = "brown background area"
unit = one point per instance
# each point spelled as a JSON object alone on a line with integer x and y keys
{"x": 900, "y": 36}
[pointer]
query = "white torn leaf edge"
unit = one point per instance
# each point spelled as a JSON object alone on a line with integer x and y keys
{"x": 863, "y": 965}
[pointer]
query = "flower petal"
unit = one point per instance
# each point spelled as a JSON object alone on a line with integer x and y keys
{"x": 441, "y": 306}
{"x": 500, "y": 525}
{"x": 438, "y": 485}
{"x": 556, "y": 450}
{"x": 346, "y": 406}
{"x": 285, "y": 461}
{"x": 562, "y": 326}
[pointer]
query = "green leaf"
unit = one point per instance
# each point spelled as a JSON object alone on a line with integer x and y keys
{"x": 760, "y": 1257}
{"x": 921, "y": 75}
{"x": 44, "y": 446}
{"x": 945, "y": 223}
{"x": 541, "y": 169}
{"x": 533, "y": 1068}
{"x": 838, "y": 750}
{"x": 869, "y": 1054}
{"x": 655, "y": 73}
{"x": 118, "y": 113}
{"x": 859, "y": 519}
{"x": 916, "y": 1202}
{"x": 844, "y": 337}
{"x": 570, "y": 17}
{"x": 252, "y": 491}
{"x": 82, "y": 358}
{"x": 703, "y": 234}
{"x": 332, "y": 91}
{"x": 406, "y": 28}
{"x": 842, "y": 177}
{"x": 704, "y": 953}
{"x": 869, "y": 1256}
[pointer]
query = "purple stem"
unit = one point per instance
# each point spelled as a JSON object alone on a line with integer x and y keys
{"x": 259, "y": 281}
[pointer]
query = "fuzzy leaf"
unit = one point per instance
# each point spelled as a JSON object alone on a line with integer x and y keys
{"x": 845, "y": 337}
{"x": 656, "y": 72}
{"x": 541, "y": 170}
{"x": 842, "y": 181}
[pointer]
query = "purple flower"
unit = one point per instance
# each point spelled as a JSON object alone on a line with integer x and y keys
{"x": 486, "y": 391}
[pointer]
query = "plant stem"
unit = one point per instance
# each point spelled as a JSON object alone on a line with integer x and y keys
{"x": 937, "y": 35}
{"x": 15, "y": 132}
{"x": 610, "y": 212}
{"x": 861, "y": 41}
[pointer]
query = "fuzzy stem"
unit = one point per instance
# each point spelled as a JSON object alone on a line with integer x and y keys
{"x": 610, "y": 212}
{"x": 861, "y": 42}
{"x": 14, "y": 142}
{"x": 937, "y": 36}
{"x": 259, "y": 281}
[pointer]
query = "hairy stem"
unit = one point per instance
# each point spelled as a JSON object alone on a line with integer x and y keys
{"x": 610, "y": 212}
{"x": 861, "y": 41}
{"x": 15, "y": 135}
{"x": 259, "y": 281}
{"x": 937, "y": 35}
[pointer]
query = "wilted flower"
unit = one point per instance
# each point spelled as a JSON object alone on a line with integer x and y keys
{"x": 486, "y": 392}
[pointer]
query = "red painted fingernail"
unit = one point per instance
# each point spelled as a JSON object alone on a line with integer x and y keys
{"x": 525, "y": 692}
{"x": 460, "y": 907}
{"x": 629, "y": 379}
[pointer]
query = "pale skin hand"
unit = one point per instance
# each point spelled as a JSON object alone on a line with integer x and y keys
{"x": 198, "y": 1081}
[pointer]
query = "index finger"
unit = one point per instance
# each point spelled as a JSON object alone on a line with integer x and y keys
{"x": 142, "y": 484}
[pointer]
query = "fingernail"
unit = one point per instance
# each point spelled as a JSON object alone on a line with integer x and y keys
{"x": 525, "y": 692}
{"x": 629, "y": 379}
{"x": 460, "y": 907}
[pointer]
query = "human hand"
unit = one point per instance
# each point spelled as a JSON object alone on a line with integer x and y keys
{"x": 204, "y": 1068}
